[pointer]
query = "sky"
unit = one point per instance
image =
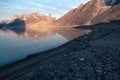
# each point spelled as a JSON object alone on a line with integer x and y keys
{"x": 58, "y": 8}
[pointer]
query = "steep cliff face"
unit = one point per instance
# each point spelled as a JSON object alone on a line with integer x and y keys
{"x": 111, "y": 14}
{"x": 84, "y": 14}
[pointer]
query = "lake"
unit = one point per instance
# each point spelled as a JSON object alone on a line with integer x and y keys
{"x": 18, "y": 43}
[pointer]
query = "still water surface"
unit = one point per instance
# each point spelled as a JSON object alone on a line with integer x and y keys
{"x": 18, "y": 43}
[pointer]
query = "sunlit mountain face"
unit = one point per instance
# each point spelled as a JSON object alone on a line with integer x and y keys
{"x": 28, "y": 19}
{"x": 34, "y": 18}
{"x": 93, "y": 12}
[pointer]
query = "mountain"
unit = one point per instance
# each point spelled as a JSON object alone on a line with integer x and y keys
{"x": 32, "y": 18}
{"x": 111, "y": 14}
{"x": 95, "y": 11}
{"x": 17, "y": 22}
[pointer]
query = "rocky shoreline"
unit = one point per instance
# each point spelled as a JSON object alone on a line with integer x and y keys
{"x": 94, "y": 56}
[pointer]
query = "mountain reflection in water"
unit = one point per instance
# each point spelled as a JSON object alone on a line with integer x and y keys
{"x": 18, "y": 43}
{"x": 37, "y": 34}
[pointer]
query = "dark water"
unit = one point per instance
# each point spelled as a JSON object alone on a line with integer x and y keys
{"x": 18, "y": 43}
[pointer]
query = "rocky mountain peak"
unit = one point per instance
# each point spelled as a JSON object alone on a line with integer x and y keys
{"x": 95, "y": 11}
{"x": 107, "y": 2}
{"x": 32, "y": 18}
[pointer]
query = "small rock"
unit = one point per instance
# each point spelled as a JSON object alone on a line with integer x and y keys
{"x": 82, "y": 59}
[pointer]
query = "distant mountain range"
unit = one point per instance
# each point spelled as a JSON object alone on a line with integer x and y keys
{"x": 34, "y": 18}
{"x": 95, "y": 11}
{"x": 29, "y": 19}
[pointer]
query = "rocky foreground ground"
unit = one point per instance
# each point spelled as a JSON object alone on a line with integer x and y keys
{"x": 94, "y": 56}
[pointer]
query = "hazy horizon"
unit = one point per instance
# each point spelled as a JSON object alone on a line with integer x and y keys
{"x": 57, "y": 8}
